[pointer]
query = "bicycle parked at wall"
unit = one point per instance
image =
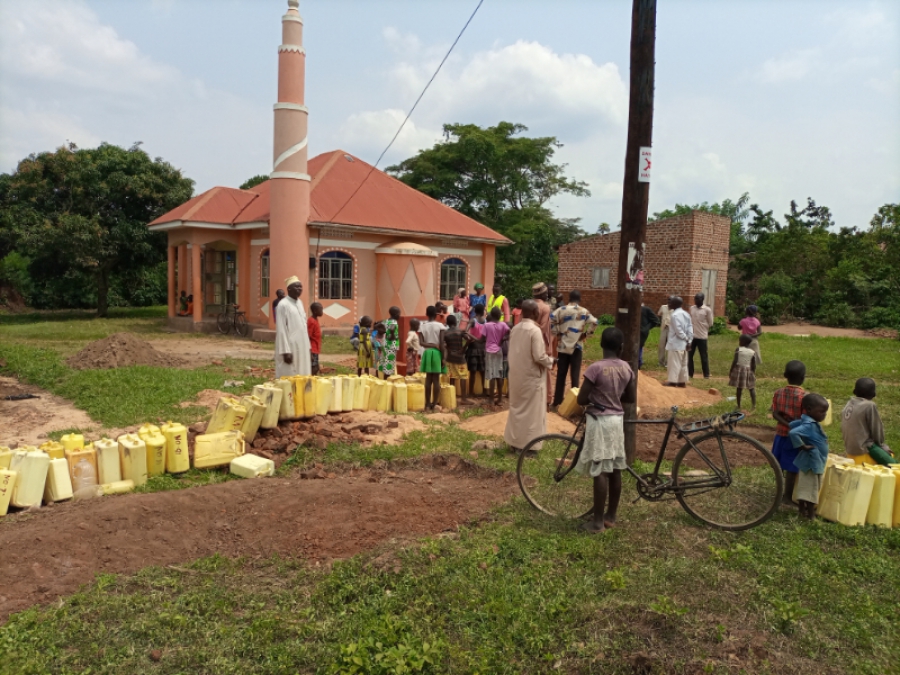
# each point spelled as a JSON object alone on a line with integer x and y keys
{"x": 722, "y": 477}
{"x": 231, "y": 319}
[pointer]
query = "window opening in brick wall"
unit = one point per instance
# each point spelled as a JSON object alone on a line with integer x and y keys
{"x": 453, "y": 277}
{"x": 264, "y": 275}
{"x": 335, "y": 276}
{"x": 600, "y": 277}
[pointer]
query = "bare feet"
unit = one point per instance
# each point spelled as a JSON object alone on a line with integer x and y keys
{"x": 609, "y": 520}
{"x": 593, "y": 527}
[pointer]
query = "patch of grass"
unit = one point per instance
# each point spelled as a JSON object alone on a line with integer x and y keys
{"x": 520, "y": 593}
{"x": 122, "y": 396}
{"x": 336, "y": 344}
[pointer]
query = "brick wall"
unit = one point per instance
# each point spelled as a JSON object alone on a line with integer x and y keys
{"x": 678, "y": 250}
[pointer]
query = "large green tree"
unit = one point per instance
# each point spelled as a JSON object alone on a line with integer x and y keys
{"x": 82, "y": 213}
{"x": 503, "y": 179}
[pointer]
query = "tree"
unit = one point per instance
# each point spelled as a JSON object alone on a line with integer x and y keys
{"x": 251, "y": 183}
{"x": 502, "y": 179}
{"x": 85, "y": 211}
{"x": 737, "y": 211}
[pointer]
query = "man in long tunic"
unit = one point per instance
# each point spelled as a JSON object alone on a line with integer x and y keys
{"x": 529, "y": 364}
{"x": 541, "y": 293}
{"x": 292, "y": 356}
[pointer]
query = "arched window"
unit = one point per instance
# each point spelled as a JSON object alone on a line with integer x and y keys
{"x": 453, "y": 277}
{"x": 335, "y": 276}
{"x": 264, "y": 274}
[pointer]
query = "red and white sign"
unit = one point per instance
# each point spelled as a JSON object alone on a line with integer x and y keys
{"x": 644, "y": 159}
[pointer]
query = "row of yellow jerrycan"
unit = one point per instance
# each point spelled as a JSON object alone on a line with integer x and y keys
{"x": 859, "y": 494}
{"x": 304, "y": 397}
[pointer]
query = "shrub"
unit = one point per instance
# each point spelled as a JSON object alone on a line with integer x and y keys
{"x": 734, "y": 312}
{"x": 839, "y": 314}
{"x": 606, "y": 320}
{"x": 771, "y": 308}
{"x": 720, "y": 326}
{"x": 881, "y": 317}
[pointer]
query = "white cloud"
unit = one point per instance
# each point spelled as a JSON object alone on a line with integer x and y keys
{"x": 370, "y": 132}
{"x": 792, "y": 67}
{"x": 68, "y": 76}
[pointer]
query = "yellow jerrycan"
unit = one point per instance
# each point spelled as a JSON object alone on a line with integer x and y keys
{"x": 75, "y": 456}
{"x": 448, "y": 397}
{"x": 84, "y": 479}
{"x": 7, "y": 485}
{"x": 177, "y": 458}
{"x": 337, "y": 393}
{"x": 366, "y": 387}
{"x": 298, "y": 382}
{"x": 829, "y": 417}
{"x": 120, "y": 487}
{"x": 387, "y": 397}
{"x": 109, "y": 464}
{"x": 31, "y": 469}
{"x": 830, "y": 461}
{"x": 359, "y": 394}
{"x": 569, "y": 407}
{"x": 133, "y": 455}
{"x": 846, "y": 494}
{"x": 147, "y": 429}
{"x": 309, "y": 398}
{"x": 228, "y": 416}
{"x": 415, "y": 397}
{"x": 286, "y": 411}
{"x": 54, "y": 449}
{"x": 375, "y": 387}
{"x": 478, "y": 386}
{"x": 217, "y": 449}
{"x": 348, "y": 393}
{"x": 5, "y": 457}
{"x": 895, "y": 518}
{"x": 270, "y": 395}
{"x": 400, "y": 403}
{"x": 156, "y": 454}
{"x": 59, "y": 483}
{"x": 252, "y": 466}
{"x": 72, "y": 442}
{"x": 255, "y": 411}
{"x": 323, "y": 389}
{"x": 881, "y": 503}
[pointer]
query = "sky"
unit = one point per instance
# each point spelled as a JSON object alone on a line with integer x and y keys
{"x": 784, "y": 99}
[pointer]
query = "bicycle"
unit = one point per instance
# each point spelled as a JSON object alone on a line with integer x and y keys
{"x": 723, "y": 478}
{"x": 232, "y": 319}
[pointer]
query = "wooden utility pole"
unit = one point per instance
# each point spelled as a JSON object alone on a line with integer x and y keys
{"x": 636, "y": 192}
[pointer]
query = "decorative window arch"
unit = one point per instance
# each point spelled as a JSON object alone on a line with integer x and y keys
{"x": 335, "y": 276}
{"x": 454, "y": 273}
{"x": 264, "y": 274}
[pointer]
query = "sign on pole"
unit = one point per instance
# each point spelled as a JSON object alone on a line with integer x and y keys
{"x": 644, "y": 166}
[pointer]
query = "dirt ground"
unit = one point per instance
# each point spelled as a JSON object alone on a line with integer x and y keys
{"x": 49, "y": 553}
{"x": 806, "y": 329}
{"x": 29, "y": 421}
{"x": 200, "y": 351}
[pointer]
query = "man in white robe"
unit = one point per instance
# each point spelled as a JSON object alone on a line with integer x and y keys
{"x": 529, "y": 364}
{"x": 681, "y": 334}
{"x": 292, "y": 355}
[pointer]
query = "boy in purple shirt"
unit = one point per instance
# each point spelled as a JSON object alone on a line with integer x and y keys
{"x": 495, "y": 333}
{"x": 606, "y": 386}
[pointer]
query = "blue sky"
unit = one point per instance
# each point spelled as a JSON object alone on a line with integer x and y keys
{"x": 785, "y": 100}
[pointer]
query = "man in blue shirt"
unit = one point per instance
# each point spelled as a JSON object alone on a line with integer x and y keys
{"x": 807, "y": 436}
{"x": 477, "y": 298}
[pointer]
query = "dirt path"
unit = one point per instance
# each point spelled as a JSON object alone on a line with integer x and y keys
{"x": 50, "y": 553}
{"x": 807, "y": 329}
{"x": 29, "y": 421}
{"x": 201, "y": 350}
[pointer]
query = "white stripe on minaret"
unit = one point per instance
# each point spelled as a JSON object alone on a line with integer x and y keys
{"x": 293, "y": 150}
{"x": 295, "y": 19}
{"x": 296, "y": 175}
{"x": 291, "y": 106}
{"x": 291, "y": 48}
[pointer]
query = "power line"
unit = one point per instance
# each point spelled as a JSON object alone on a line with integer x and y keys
{"x": 411, "y": 110}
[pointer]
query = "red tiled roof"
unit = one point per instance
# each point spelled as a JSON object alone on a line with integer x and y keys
{"x": 380, "y": 201}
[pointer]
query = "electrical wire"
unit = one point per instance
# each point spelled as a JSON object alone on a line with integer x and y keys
{"x": 409, "y": 114}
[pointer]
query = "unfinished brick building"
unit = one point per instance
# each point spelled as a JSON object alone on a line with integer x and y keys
{"x": 684, "y": 255}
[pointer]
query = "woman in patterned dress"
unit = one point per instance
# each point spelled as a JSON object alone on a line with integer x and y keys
{"x": 387, "y": 364}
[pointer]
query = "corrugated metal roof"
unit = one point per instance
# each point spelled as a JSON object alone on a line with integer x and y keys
{"x": 344, "y": 190}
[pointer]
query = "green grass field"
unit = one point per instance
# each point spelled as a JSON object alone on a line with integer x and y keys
{"x": 514, "y": 593}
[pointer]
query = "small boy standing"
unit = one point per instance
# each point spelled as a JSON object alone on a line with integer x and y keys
{"x": 786, "y": 408}
{"x": 455, "y": 357}
{"x": 607, "y": 384}
{"x": 808, "y": 438}
{"x": 315, "y": 335}
{"x": 862, "y": 428}
{"x": 413, "y": 346}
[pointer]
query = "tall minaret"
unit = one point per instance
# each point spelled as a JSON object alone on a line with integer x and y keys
{"x": 289, "y": 207}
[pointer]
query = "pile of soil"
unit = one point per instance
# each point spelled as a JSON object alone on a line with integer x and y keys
{"x": 652, "y": 395}
{"x": 122, "y": 349}
{"x": 50, "y": 553}
{"x": 494, "y": 425}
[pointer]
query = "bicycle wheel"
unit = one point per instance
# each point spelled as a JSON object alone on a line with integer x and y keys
{"x": 571, "y": 497}
{"x": 241, "y": 327}
{"x": 223, "y": 321}
{"x": 737, "y": 486}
